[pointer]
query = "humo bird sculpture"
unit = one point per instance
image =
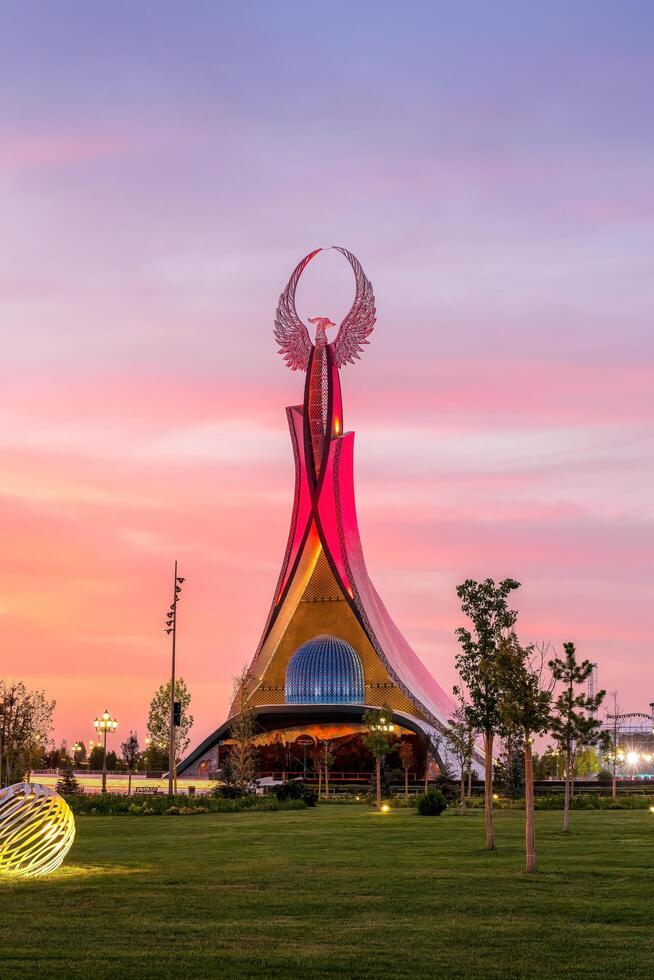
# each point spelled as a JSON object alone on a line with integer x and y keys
{"x": 322, "y": 360}
{"x": 329, "y": 650}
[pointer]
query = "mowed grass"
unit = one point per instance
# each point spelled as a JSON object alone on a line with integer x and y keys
{"x": 338, "y": 890}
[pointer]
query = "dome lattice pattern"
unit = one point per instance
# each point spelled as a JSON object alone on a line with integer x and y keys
{"x": 325, "y": 670}
{"x": 37, "y": 829}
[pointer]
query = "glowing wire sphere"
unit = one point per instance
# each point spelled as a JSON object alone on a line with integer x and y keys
{"x": 37, "y": 829}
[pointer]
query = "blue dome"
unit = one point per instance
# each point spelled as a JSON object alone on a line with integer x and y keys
{"x": 325, "y": 670}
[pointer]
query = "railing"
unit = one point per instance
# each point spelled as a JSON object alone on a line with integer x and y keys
{"x": 312, "y": 774}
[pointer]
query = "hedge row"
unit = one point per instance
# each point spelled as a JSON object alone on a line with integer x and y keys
{"x": 113, "y": 804}
{"x": 580, "y": 801}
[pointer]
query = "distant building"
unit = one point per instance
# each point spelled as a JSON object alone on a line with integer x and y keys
{"x": 635, "y": 742}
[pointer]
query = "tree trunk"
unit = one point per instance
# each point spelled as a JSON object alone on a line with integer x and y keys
{"x": 463, "y": 789}
{"x": 469, "y": 781}
{"x": 406, "y": 784}
{"x": 326, "y": 781}
{"x": 488, "y": 789}
{"x": 566, "y": 798}
{"x": 129, "y": 783}
{"x": 530, "y": 834}
{"x": 378, "y": 781}
{"x": 614, "y": 785}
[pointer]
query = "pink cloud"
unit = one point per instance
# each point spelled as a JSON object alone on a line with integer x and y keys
{"x": 20, "y": 151}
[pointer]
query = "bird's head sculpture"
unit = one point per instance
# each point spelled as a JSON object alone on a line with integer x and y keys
{"x": 322, "y": 323}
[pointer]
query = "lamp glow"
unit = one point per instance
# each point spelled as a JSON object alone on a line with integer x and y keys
{"x": 37, "y": 829}
{"x": 385, "y": 808}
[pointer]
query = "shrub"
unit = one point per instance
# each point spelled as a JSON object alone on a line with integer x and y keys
{"x": 431, "y": 804}
{"x": 227, "y": 791}
{"x": 296, "y": 790}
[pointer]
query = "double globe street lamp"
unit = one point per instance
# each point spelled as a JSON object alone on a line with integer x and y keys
{"x": 106, "y": 725}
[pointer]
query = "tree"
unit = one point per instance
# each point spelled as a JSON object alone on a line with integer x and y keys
{"x": 485, "y": 604}
{"x": 587, "y": 762}
{"x": 326, "y": 759}
{"x": 25, "y": 726}
{"x": 407, "y": 759}
{"x": 279, "y": 755}
{"x": 461, "y": 741}
{"x": 611, "y": 745}
{"x": 509, "y": 772}
{"x": 243, "y": 732}
{"x": 549, "y": 765}
{"x": 155, "y": 757}
{"x": 96, "y": 756}
{"x": 573, "y": 725}
{"x": 159, "y": 717}
{"x": 316, "y": 760}
{"x": 378, "y": 740}
{"x": 431, "y": 755}
{"x": 130, "y": 752}
{"x": 67, "y": 784}
{"x": 524, "y": 706}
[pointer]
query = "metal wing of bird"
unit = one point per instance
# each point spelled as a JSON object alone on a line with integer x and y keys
{"x": 291, "y": 334}
{"x": 359, "y": 322}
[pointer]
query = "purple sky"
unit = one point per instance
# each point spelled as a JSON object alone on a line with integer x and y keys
{"x": 163, "y": 166}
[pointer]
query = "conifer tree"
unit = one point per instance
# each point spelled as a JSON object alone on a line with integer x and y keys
{"x": 67, "y": 784}
{"x": 574, "y": 726}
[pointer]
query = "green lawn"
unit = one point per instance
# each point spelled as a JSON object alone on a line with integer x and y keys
{"x": 338, "y": 890}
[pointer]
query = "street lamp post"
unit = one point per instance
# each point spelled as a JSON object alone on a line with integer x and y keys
{"x": 105, "y": 724}
{"x": 171, "y": 628}
{"x": 382, "y": 728}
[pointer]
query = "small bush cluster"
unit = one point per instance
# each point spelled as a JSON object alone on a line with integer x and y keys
{"x": 431, "y": 804}
{"x": 363, "y": 797}
{"x": 176, "y": 811}
{"x": 296, "y": 790}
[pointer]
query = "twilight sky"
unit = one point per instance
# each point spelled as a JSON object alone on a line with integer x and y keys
{"x": 163, "y": 167}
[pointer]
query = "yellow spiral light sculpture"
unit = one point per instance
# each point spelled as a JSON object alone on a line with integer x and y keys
{"x": 37, "y": 829}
